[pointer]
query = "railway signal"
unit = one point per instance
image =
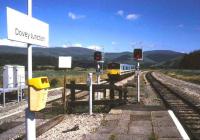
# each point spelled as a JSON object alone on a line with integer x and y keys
{"x": 97, "y": 56}
{"x": 138, "y": 54}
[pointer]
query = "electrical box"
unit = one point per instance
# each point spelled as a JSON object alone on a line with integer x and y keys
{"x": 8, "y": 76}
{"x": 38, "y": 93}
{"x": 19, "y": 75}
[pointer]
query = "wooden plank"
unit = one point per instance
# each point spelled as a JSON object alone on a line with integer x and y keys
{"x": 97, "y": 102}
{"x": 94, "y": 86}
{"x": 45, "y": 127}
{"x": 48, "y": 125}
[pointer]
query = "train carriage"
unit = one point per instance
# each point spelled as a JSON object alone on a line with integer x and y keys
{"x": 117, "y": 70}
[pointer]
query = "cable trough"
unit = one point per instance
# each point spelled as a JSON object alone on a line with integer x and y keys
{"x": 187, "y": 112}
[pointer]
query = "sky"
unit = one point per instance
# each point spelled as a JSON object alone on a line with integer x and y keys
{"x": 114, "y": 25}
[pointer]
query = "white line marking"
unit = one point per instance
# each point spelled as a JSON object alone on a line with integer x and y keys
{"x": 11, "y": 114}
{"x": 178, "y": 125}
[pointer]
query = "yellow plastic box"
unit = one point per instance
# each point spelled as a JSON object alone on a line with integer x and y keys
{"x": 38, "y": 93}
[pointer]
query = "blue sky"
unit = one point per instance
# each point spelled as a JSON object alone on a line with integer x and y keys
{"x": 115, "y": 25}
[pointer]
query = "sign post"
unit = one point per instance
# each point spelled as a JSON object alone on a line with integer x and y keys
{"x": 138, "y": 56}
{"x": 98, "y": 58}
{"x": 24, "y": 28}
{"x": 30, "y": 116}
{"x": 64, "y": 62}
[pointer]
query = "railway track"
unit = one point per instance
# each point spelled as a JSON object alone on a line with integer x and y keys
{"x": 187, "y": 113}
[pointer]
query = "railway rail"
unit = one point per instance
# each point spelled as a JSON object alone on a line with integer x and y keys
{"x": 187, "y": 112}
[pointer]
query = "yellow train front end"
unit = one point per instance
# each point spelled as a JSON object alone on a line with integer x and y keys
{"x": 113, "y": 71}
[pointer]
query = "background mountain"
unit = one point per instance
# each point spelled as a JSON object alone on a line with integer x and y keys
{"x": 191, "y": 60}
{"x": 82, "y": 57}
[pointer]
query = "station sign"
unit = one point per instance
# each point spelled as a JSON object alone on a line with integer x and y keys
{"x": 22, "y": 28}
{"x": 65, "y": 62}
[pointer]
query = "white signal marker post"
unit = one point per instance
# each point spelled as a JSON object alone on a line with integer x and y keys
{"x": 138, "y": 81}
{"x": 98, "y": 79}
{"x": 89, "y": 82}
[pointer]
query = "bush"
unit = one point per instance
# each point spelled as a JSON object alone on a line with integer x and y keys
{"x": 54, "y": 83}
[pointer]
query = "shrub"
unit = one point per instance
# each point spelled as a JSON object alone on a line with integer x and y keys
{"x": 54, "y": 83}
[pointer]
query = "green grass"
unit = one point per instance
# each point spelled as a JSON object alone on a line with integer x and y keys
{"x": 57, "y": 76}
{"x": 186, "y": 75}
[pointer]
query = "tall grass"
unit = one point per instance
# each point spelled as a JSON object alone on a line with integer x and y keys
{"x": 186, "y": 75}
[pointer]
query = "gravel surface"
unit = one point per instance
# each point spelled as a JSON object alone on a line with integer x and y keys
{"x": 151, "y": 97}
{"x": 189, "y": 90}
{"x": 85, "y": 122}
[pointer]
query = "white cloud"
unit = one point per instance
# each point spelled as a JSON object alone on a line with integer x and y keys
{"x": 95, "y": 47}
{"x": 7, "y": 42}
{"x": 180, "y": 26}
{"x": 120, "y": 12}
{"x": 65, "y": 46}
{"x": 77, "y": 45}
{"x": 74, "y": 16}
{"x": 132, "y": 16}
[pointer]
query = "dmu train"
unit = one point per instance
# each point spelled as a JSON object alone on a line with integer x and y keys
{"x": 118, "y": 71}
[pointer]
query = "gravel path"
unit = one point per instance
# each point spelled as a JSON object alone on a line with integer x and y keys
{"x": 189, "y": 90}
{"x": 85, "y": 122}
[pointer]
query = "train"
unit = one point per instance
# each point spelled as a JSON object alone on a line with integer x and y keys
{"x": 116, "y": 71}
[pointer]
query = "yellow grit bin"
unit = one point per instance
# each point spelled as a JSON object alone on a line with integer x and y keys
{"x": 38, "y": 93}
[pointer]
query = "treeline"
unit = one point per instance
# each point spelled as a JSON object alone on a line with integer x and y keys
{"x": 191, "y": 61}
{"x": 39, "y": 62}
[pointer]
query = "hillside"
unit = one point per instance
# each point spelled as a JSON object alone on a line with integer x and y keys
{"x": 191, "y": 60}
{"x": 82, "y": 57}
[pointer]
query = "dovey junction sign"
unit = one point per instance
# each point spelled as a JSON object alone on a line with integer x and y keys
{"x": 23, "y": 28}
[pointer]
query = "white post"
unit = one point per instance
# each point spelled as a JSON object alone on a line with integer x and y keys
{"x": 98, "y": 80}
{"x": 18, "y": 94}
{"x": 21, "y": 88}
{"x": 90, "y": 93}
{"x": 138, "y": 81}
{"x": 4, "y": 98}
{"x": 30, "y": 116}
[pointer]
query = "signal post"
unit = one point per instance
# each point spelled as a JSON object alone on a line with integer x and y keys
{"x": 98, "y": 58}
{"x": 138, "y": 56}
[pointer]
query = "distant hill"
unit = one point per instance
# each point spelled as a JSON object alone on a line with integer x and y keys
{"x": 191, "y": 60}
{"x": 82, "y": 57}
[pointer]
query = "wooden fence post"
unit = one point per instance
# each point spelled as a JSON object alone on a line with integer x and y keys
{"x": 104, "y": 94}
{"x": 120, "y": 94}
{"x": 125, "y": 93}
{"x": 72, "y": 91}
{"x": 112, "y": 90}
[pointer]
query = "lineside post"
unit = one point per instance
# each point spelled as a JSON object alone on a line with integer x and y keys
{"x": 89, "y": 82}
{"x": 98, "y": 80}
{"x": 138, "y": 56}
{"x": 138, "y": 81}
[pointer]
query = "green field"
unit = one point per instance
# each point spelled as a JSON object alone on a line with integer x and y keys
{"x": 56, "y": 77}
{"x": 186, "y": 75}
